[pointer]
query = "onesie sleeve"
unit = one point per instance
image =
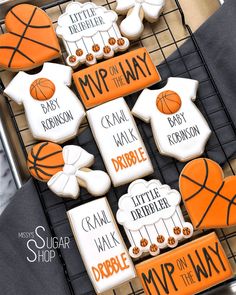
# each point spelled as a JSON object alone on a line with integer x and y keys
{"x": 188, "y": 86}
{"x": 142, "y": 107}
{"x": 59, "y": 72}
{"x": 14, "y": 89}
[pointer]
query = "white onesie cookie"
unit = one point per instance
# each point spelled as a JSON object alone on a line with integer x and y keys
{"x": 179, "y": 129}
{"x": 53, "y": 111}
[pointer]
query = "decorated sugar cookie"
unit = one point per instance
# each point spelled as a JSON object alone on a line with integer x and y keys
{"x": 186, "y": 270}
{"x": 136, "y": 10}
{"x": 179, "y": 129}
{"x": 101, "y": 246}
{"x": 66, "y": 169}
{"x": 152, "y": 218}
{"x": 209, "y": 197}
{"x": 116, "y": 77}
{"x": 119, "y": 141}
{"x": 53, "y": 111}
{"x": 89, "y": 32}
{"x": 30, "y": 39}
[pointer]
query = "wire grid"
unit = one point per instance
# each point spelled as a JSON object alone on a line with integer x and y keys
{"x": 160, "y": 39}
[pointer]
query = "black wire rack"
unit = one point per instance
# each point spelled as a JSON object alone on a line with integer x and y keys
{"x": 161, "y": 39}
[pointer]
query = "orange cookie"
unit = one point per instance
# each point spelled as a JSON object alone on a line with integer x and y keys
{"x": 44, "y": 160}
{"x": 116, "y": 77}
{"x": 186, "y": 270}
{"x": 30, "y": 40}
{"x": 209, "y": 197}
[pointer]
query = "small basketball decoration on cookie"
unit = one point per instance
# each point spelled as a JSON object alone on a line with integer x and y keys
{"x": 89, "y": 57}
{"x": 210, "y": 199}
{"x": 44, "y": 160}
{"x": 160, "y": 239}
{"x": 168, "y": 102}
{"x": 72, "y": 58}
{"x": 144, "y": 242}
{"x": 106, "y": 49}
{"x": 112, "y": 41}
{"x": 171, "y": 241}
{"x": 186, "y": 231}
{"x": 42, "y": 89}
{"x": 95, "y": 47}
{"x": 136, "y": 250}
{"x": 153, "y": 249}
{"x": 177, "y": 230}
{"x": 79, "y": 52}
{"x": 121, "y": 42}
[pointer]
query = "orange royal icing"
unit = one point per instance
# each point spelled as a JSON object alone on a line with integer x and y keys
{"x": 116, "y": 77}
{"x": 209, "y": 197}
{"x": 187, "y": 270}
{"x": 30, "y": 40}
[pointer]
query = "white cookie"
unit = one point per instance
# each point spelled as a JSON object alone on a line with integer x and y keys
{"x": 152, "y": 218}
{"x": 179, "y": 129}
{"x": 119, "y": 142}
{"x": 66, "y": 182}
{"x": 136, "y": 10}
{"x": 101, "y": 246}
{"x": 53, "y": 111}
{"x": 89, "y": 32}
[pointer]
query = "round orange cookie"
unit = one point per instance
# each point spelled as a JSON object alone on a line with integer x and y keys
{"x": 42, "y": 89}
{"x": 44, "y": 160}
{"x": 209, "y": 197}
{"x": 168, "y": 102}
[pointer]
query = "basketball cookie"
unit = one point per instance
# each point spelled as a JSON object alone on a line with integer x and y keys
{"x": 168, "y": 102}
{"x": 42, "y": 89}
{"x": 53, "y": 111}
{"x": 209, "y": 197}
{"x": 91, "y": 31}
{"x": 179, "y": 129}
{"x": 136, "y": 10}
{"x": 152, "y": 218}
{"x": 30, "y": 39}
{"x": 44, "y": 160}
{"x": 66, "y": 169}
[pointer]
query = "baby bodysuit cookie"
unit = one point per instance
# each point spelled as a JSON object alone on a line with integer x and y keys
{"x": 152, "y": 218}
{"x": 120, "y": 144}
{"x": 89, "y": 32}
{"x": 53, "y": 111}
{"x": 30, "y": 39}
{"x": 136, "y": 10}
{"x": 66, "y": 169}
{"x": 209, "y": 197}
{"x": 179, "y": 129}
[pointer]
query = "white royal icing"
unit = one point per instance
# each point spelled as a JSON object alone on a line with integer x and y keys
{"x": 56, "y": 119}
{"x": 66, "y": 183}
{"x": 132, "y": 26}
{"x": 182, "y": 135}
{"x": 84, "y": 25}
{"x": 149, "y": 210}
{"x": 101, "y": 246}
{"x": 119, "y": 142}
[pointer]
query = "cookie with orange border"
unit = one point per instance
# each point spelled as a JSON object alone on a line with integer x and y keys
{"x": 210, "y": 198}
{"x": 30, "y": 39}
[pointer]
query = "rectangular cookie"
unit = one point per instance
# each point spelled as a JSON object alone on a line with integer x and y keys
{"x": 187, "y": 270}
{"x": 119, "y": 76}
{"x": 101, "y": 246}
{"x": 119, "y": 142}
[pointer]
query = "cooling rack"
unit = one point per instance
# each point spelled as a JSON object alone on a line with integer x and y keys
{"x": 161, "y": 39}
